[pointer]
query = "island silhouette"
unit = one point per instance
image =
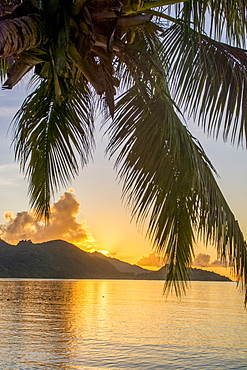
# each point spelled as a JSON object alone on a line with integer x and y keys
{"x": 58, "y": 259}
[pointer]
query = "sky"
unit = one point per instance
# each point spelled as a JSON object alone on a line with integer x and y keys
{"x": 90, "y": 212}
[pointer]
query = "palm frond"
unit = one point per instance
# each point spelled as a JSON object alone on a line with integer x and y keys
{"x": 223, "y": 19}
{"x": 169, "y": 180}
{"x": 209, "y": 79}
{"x": 141, "y": 60}
{"x": 46, "y": 136}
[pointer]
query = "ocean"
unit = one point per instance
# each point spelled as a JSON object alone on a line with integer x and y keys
{"x": 120, "y": 324}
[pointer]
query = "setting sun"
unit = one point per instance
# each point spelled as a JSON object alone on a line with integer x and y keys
{"x": 103, "y": 252}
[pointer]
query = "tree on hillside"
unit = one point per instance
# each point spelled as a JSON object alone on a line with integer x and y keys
{"x": 145, "y": 65}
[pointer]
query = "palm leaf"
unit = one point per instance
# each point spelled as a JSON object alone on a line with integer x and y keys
{"x": 47, "y": 134}
{"x": 169, "y": 180}
{"x": 141, "y": 60}
{"x": 209, "y": 78}
{"x": 222, "y": 19}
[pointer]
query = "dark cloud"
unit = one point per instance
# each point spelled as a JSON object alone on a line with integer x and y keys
{"x": 218, "y": 263}
{"x": 203, "y": 260}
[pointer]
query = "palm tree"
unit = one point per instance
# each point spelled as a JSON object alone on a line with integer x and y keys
{"x": 145, "y": 65}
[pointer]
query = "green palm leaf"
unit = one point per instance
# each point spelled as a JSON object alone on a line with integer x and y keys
{"x": 209, "y": 78}
{"x": 47, "y": 134}
{"x": 221, "y": 18}
{"x": 168, "y": 179}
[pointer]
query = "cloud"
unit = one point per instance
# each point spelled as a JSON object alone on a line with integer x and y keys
{"x": 150, "y": 260}
{"x": 203, "y": 260}
{"x": 218, "y": 263}
{"x": 63, "y": 224}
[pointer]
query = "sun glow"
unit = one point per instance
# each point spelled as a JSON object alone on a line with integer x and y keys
{"x": 103, "y": 252}
{"x": 92, "y": 250}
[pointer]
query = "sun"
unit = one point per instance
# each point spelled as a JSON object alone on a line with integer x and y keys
{"x": 103, "y": 252}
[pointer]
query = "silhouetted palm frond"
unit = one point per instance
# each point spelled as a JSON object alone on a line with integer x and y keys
{"x": 209, "y": 79}
{"x": 219, "y": 18}
{"x": 47, "y": 135}
{"x": 168, "y": 178}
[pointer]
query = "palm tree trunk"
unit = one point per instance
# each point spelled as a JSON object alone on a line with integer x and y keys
{"x": 19, "y": 34}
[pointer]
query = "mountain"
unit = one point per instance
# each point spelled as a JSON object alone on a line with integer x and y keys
{"x": 140, "y": 273}
{"x": 60, "y": 259}
{"x": 53, "y": 259}
{"x": 195, "y": 275}
{"x": 121, "y": 265}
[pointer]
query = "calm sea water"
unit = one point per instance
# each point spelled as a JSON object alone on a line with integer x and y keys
{"x": 109, "y": 324}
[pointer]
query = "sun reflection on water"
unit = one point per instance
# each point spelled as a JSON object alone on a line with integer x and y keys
{"x": 85, "y": 324}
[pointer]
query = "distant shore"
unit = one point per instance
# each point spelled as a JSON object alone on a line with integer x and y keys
{"x": 58, "y": 259}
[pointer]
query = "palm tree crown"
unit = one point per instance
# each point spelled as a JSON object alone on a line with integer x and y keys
{"x": 144, "y": 64}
